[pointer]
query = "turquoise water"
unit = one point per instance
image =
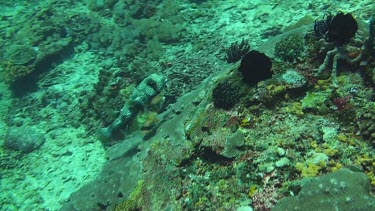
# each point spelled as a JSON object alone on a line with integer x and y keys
{"x": 187, "y": 105}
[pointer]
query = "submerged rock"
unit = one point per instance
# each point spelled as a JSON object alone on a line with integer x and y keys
{"x": 341, "y": 190}
{"x": 23, "y": 139}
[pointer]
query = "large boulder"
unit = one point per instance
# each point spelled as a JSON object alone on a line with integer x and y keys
{"x": 23, "y": 139}
{"x": 340, "y": 190}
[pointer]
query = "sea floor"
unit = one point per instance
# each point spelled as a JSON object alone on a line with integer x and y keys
{"x": 72, "y": 157}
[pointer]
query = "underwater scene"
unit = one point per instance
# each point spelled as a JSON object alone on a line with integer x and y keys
{"x": 217, "y": 105}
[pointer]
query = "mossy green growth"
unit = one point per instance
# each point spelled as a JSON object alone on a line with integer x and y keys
{"x": 308, "y": 170}
{"x": 316, "y": 100}
{"x": 19, "y": 62}
{"x": 134, "y": 201}
{"x": 163, "y": 31}
{"x": 290, "y": 48}
{"x": 12, "y": 72}
{"x": 295, "y": 109}
{"x": 153, "y": 51}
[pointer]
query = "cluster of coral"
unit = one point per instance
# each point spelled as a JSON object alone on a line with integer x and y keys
{"x": 263, "y": 138}
{"x": 186, "y": 125}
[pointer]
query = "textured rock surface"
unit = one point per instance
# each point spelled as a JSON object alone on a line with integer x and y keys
{"x": 23, "y": 139}
{"x": 341, "y": 190}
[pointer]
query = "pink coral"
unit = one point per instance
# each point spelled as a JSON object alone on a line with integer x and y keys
{"x": 342, "y": 103}
{"x": 265, "y": 198}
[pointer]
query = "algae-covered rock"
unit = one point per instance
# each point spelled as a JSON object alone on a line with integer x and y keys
{"x": 134, "y": 201}
{"x": 18, "y": 62}
{"x": 341, "y": 190}
{"x": 22, "y": 54}
{"x": 225, "y": 95}
{"x": 225, "y": 143}
{"x": 293, "y": 78}
{"x": 316, "y": 101}
{"x": 366, "y": 123}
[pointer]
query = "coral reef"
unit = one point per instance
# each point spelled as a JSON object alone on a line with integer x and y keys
{"x": 33, "y": 49}
{"x": 18, "y": 62}
{"x": 338, "y": 53}
{"x": 134, "y": 201}
{"x": 21, "y": 54}
{"x": 223, "y": 143}
{"x": 162, "y": 173}
{"x": 316, "y": 101}
{"x": 290, "y": 49}
{"x": 207, "y": 135}
{"x": 12, "y": 72}
{"x": 293, "y": 78}
{"x": 366, "y": 123}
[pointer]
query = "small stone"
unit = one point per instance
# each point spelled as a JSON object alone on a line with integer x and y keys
{"x": 23, "y": 139}
{"x": 18, "y": 121}
{"x": 280, "y": 151}
{"x": 282, "y": 162}
{"x": 244, "y": 208}
{"x": 270, "y": 168}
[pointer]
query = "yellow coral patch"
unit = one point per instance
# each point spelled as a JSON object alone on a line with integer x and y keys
{"x": 275, "y": 89}
{"x": 331, "y": 152}
{"x": 134, "y": 201}
{"x": 295, "y": 108}
{"x": 246, "y": 122}
{"x": 309, "y": 170}
{"x": 252, "y": 190}
{"x": 346, "y": 139}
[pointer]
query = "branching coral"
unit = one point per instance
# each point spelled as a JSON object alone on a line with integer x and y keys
{"x": 335, "y": 55}
{"x": 341, "y": 28}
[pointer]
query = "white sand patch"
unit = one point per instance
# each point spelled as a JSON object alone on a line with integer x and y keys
{"x": 70, "y": 158}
